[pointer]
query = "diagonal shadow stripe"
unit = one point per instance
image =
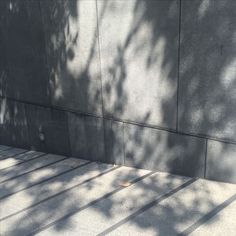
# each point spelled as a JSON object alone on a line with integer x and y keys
{"x": 208, "y": 216}
{"x": 3, "y": 150}
{"x": 146, "y": 207}
{"x": 79, "y": 209}
{"x": 57, "y": 194}
{"x": 41, "y": 167}
{"x": 4, "y": 157}
{"x": 22, "y": 161}
{"x": 47, "y": 179}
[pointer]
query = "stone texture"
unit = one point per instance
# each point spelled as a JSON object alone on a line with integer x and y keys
{"x": 118, "y": 206}
{"x": 139, "y": 54}
{"x": 208, "y": 68}
{"x": 38, "y": 176}
{"x": 67, "y": 202}
{"x": 26, "y": 167}
{"x": 4, "y": 72}
{"x": 13, "y": 124}
{"x": 98, "y": 199}
{"x": 24, "y": 32}
{"x": 114, "y": 142}
{"x": 17, "y": 159}
{"x": 72, "y": 50}
{"x": 26, "y": 52}
{"x": 221, "y": 161}
{"x": 48, "y": 130}
{"x": 86, "y": 137}
{"x": 198, "y": 209}
{"x": 29, "y": 84}
{"x": 164, "y": 151}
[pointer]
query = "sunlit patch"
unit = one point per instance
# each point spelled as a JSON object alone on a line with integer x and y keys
{"x": 215, "y": 113}
{"x": 228, "y": 75}
{"x": 196, "y": 116}
{"x": 3, "y": 111}
{"x": 193, "y": 85}
{"x": 204, "y": 6}
{"x": 10, "y": 6}
{"x": 58, "y": 93}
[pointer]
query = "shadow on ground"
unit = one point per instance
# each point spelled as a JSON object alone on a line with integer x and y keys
{"x": 139, "y": 64}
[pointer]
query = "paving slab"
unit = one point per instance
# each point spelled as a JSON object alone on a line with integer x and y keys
{"x": 111, "y": 210}
{"x": 77, "y": 197}
{"x": 52, "y": 187}
{"x": 25, "y": 167}
{"x": 4, "y": 147}
{"x": 9, "y": 152}
{"x": 177, "y": 214}
{"x": 28, "y": 180}
{"x": 7, "y": 162}
{"x": 63, "y": 204}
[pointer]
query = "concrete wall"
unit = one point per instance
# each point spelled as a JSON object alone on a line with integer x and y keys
{"x": 146, "y": 83}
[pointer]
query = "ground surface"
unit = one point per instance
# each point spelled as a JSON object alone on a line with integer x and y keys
{"x": 47, "y": 194}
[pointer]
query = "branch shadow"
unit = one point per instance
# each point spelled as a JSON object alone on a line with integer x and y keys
{"x": 138, "y": 43}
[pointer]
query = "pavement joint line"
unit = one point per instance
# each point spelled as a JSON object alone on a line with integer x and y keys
{"x": 22, "y": 161}
{"x": 79, "y": 209}
{"x": 57, "y": 194}
{"x": 13, "y": 155}
{"x": 208, "y": 216}
{"x": 41, "y": 167}
{"x": 45, "y": 180}
{"x": 147, "y": 206}
{"x": 6, "y": 149}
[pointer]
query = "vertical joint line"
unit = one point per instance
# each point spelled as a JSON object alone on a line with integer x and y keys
{"x": 123, "y": 144}
{"x": 100, "y": 67}
{"x": 46, "y": 57}
{"x": 99, "y": 56}
{"x": 68, "y": 131}
{"x": 205, "y": 161}
{"x": 178, "y": 69}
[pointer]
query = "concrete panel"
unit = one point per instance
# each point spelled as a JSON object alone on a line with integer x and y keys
{"x": 13, "y": 124}
{"x": 26, "y": 52}
{"x": 72, "y": 49}
{"x": 24, "y": 31}
{"x": 114, "y": 142}
{"x": 221, "y": 161}
{"x": 78, "y": 197}
{"x": 48, "y": 130}
{"x": 86, "y": 137}
{"x": 29, "y": 83}
{"x": 108, "y": 212}
{"x": 164, "y": 151}
{"x": 139, "y": 54}
{"x": 208, "y": 68}
{"x": 4, "y": 72}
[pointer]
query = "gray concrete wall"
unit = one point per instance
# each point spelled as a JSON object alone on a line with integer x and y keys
{"x": 145, "y": 83}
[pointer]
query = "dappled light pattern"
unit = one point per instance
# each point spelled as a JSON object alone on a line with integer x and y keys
{"x": 137, "y": 83}
{"x": 147, "y": 83}
{"x": 72, "y": 49}
{"x": 139, "y": 55}
{"x": 60, "y": 195}
{"x": 207, "y": 70}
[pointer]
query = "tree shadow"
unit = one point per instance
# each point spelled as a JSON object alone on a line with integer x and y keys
{"x": 131, "y": 116}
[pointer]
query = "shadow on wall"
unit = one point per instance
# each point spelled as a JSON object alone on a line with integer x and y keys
{"x": 139, "y": 67}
